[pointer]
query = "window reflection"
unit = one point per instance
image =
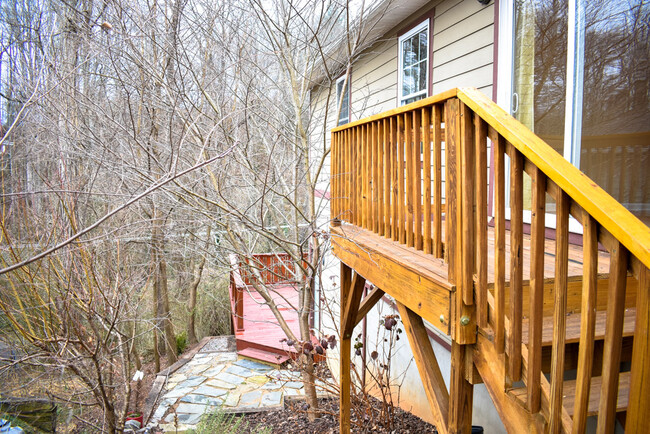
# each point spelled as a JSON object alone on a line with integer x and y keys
{"x": 615, "y": 148}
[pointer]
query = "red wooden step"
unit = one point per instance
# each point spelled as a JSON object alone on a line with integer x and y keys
{"x": 263, "y": 356}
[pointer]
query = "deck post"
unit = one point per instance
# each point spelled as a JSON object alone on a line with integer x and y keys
{"x": 346, "y": 345}
{"x": 637, "y": 413}
{"x": 461, "y": 391}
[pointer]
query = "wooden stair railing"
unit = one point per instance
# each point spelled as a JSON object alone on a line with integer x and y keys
{"x": 267, "y": 268}
{"x": 388, "y": 177}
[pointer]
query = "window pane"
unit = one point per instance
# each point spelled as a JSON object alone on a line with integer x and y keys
{"x": 540, "y": 73}
{"x": 414, "y": 64}
{"x": 422, "y": 82}
{"x": 423, "y": 44}
{"x": 540, "y": 68}
{"x": 615, "y": 150}
{"x": 344, "y": 113}
{"x": 408, "y": 82}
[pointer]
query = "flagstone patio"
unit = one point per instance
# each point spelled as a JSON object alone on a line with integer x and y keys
{"x": 221, "y": 381}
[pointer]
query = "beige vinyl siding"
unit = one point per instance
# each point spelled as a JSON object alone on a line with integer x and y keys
{"x": 463, "y": 46}
{"x": 318, "y": 105}
{"x": 374, "y": 80}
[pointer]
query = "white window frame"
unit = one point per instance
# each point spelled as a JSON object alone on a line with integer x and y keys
{"x": 506, "y": 97}
{"x": 400, "y": 68}
{"x": 346, "y": 87}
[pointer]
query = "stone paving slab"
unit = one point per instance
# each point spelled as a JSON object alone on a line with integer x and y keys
{"x": 215, "y": 380}
{"x": 209, "y": 391}
{"x": 242, "y": 372}
{"x": 253, "y": 365}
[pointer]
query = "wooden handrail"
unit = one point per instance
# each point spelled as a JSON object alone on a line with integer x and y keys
{"x": 387, "y": 178}
{"x": 613, "y": 216}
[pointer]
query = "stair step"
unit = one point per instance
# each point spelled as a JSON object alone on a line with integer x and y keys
{"x": 263, "y": 356}
{"x": 569, "y": 390}
{"x": 569, "y": 394}
{"x": 573, "y": 327}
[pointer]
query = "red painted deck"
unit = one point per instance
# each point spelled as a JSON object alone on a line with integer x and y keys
{"x": 261, "y": 330}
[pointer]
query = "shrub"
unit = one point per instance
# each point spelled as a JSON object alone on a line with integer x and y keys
{"x": 223, "y": 423}
{"x": 181, "y": 342}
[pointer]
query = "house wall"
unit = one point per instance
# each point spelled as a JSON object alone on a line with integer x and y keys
{"x": 463, "y": 46}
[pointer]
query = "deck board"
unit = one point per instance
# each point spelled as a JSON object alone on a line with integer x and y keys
{"x": 432, "y": 267}
{"x": 260, "y": 326}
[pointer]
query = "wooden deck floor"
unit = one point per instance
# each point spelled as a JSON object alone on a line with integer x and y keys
{"x": 261, "y": 329}
{"x": 409, "y": 256}
{"x": 359, "y": 242}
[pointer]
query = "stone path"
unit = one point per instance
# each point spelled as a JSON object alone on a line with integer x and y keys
{"x": 221, "y": 381}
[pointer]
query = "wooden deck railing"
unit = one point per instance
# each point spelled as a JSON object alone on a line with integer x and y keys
{"x": 272, "y": 269}
{"x": 402, "y": 173}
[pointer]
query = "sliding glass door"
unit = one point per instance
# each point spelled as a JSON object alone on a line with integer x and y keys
{"x": 581, "y": 81}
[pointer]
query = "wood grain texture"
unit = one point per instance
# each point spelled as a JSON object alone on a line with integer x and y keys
{"x": 587, "y": 324}
{"x": 387, "y": 169}
{"x": 461, "y": 392}
{"x": 536, "y": 291}
{"x": 426, "y": 177}
{"x": 490, "y": 365}
{"x": 516, "y": 263}
{"x": 613, "y": 339}
{"x": 401, "y": 211}
{"x": 499, "y": 244}
{"x": 480, "y": 176}
{"x": 452, "y": 136}
{"x": 639, "y": 408}
{"x": 417, "y": 179}
{"x": 394, "y": 183}
{"x": 344, "y": 366}
{"x": 414, "y": 278}
{"x": 351, "y": 307}
{"x": 368, "y": 302}
{"x": 559, "y": 316}
{"x": 410, "y": 179}
{"x": 372, "y": 185}
{"x": 627, "y": 228}
{"x": 466, "y": 199}
{"x": 437, "y": 181}
{"x": 427, "y": 364}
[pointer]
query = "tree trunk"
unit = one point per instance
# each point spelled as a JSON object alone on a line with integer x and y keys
{"x": 170, "y": 337}
{"x": 191, "y": 329}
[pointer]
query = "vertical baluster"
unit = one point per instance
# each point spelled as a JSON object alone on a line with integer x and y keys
{"x": 426, "y": 169}
{"x": 417, "y": 180}
{"x": 373, "y": 178}
{"x": 353, "y": 181}
{"x": 387, "y": 177}
{"x": 452, "y": 135}
{"x": 639, "y": 402}
{"x": 587, "y": 321}
{"x": 348, "y": 181}
{"x": 467, "y": 181}
{"x": 480, "y": 152}
{"x": 536, "y": 290}
{"x": 613, "y": 338}
{"x": 380, "y": 178}
{"x": 333, "y": 181}
{"x": 516, "y": 265}
{"x": 408, "y": 134}
{"x": 394, "y": 186}
{"x": 366, "y": 175}
{"x": 437, "y": 181}
{"x": 400, "y": 180}
{"x": 359, "y": 162}
{"x": 499, "y": 244}
{"x": 559, "y": 311}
